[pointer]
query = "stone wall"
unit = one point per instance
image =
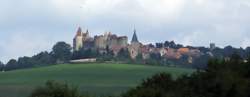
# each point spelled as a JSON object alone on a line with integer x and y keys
{"x": 112, "y": 41}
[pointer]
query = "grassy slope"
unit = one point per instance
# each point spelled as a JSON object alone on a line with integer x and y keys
{"x": 94, "y": 78}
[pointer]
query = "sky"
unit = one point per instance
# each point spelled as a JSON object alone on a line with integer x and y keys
{"x": 28, "y": 27}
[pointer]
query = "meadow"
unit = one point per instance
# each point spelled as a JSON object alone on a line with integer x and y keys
{"x": 93, "y": 78}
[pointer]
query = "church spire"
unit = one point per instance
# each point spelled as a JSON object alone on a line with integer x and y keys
{"x": 87, "y": 31}
{"x": 134, "y": 38}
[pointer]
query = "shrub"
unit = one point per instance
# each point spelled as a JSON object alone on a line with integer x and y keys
{"x": 55, "y": 89}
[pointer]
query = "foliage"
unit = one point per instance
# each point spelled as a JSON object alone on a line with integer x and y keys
{"x": 221, "y": 78}
{"x": 62, "y": 52}
{"x": 84, "y": 53}
{"x": 55, "y": 89}
{"x": 1, "y": 66}
{"x": 160, "y": 85}
{"x": 25, "y": 62}
{"x": 108, "y": 55}
{"x": 12, "y": 64}
{"x": 123, "y": 55}
{"x": 43, "y": 59}
{"x": 155, "y": 59}
{"x": 139, "y": 59}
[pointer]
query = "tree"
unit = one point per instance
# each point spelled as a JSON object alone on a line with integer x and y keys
{"x": 159, "y": 45}
{"x": 1, "y": 66}
{"x": 222, "y": 78}
{"x": 12, "y": 64}
{"x": 123, "y": 55}
{"x": 25, "y": 62}
{"x": 139, "y": 59}
{"x": 160, "y": 85}
{"x": 108, "y": 55}
{"x": 55, "y": 89}
{"x": 84, "y": 53}
{"x": 43, "y": 59}
{"x": 62, "y": 52}
{"x": 228, "y": 51}
{"x": 155, "y": 59}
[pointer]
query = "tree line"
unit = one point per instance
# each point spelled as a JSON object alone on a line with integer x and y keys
{"x": 61, "y": 53}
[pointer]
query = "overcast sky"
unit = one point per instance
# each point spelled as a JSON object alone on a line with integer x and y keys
{"x": 31, "y": 26}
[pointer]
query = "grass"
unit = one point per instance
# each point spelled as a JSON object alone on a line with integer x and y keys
{"x": 99, "y": 79}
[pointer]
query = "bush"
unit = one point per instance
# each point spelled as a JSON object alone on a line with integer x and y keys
{"x": 221, "y": 78}
{"x": 55, "y": 89}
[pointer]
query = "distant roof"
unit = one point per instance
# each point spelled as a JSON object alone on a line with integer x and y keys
{"x": 134, "y": 38}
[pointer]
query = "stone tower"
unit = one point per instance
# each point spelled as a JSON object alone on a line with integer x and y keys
{"x": 212, "y": 46}
{"x": 78, "y": 40}
{"x": 134, "y": 47}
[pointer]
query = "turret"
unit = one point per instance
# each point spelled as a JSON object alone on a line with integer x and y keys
{"x": 77, "y": 41}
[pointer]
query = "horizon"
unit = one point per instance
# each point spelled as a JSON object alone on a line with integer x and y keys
{"x": 28, "y": 27}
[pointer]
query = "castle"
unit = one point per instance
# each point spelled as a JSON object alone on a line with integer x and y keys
{"x": 101, "y": 43}
{"x": 82, "y": 40}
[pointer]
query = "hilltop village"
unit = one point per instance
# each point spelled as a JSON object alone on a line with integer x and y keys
{"x": 115, "y": 43}
{"x": 110, "y": 47}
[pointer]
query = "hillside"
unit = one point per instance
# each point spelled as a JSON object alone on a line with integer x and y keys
{"x": 101, "y": 79}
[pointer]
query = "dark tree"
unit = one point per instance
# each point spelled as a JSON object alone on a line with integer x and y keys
{"x": 25, "y": 62}
{"x": 222, "y": 78}
{"x": 123, "y": 55}
{"x": 12, "y": 64}
{"x": 160, "y": 85}
{"x": 139, "y": 59}
{"x": 155, "y": 59}
{"x": 228, "y": 51}
{"x": 159, "y": 45}
{"x": 1, "y": 66}
{"x": 84, "y": 53}
{"x": 55, "y": 89}
{"x": 43, "y": 59}
{"x": 62, "y": 52}
{"x": 151, "y": 45}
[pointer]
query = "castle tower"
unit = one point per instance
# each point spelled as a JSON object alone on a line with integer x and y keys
{"x": 85, "y": 36}
{"x": 77, "y": 41}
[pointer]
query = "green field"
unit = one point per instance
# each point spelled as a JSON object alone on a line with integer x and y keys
{"x": 100, "y": 79}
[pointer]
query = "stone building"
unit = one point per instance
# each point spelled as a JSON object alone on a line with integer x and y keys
{"x": 82, "y": 40}
{"x": 145, "y": 51}
{"x": 100, "y": 43}
{"x": 112, "y": 41}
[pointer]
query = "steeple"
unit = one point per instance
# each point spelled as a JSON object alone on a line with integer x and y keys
{"x": 79, "y": 32}
{"x": 134, "y": 38}
{"x": 87, "y": 31}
